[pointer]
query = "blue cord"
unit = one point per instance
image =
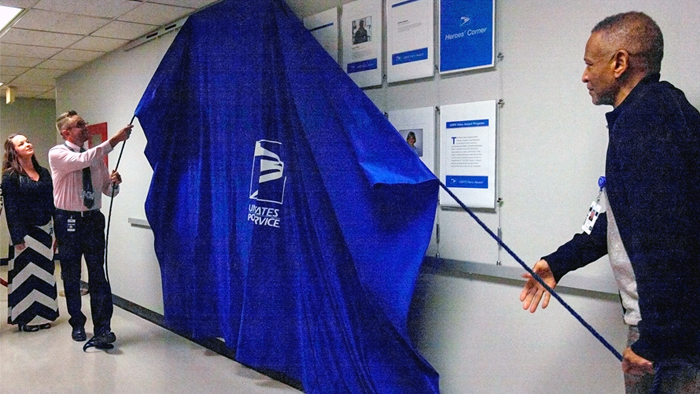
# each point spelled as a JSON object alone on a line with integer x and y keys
{"x": 535, "y": 276}
{"x": 111, "y": 201}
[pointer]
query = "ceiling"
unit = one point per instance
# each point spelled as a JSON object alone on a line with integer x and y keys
{"x": 52, "y": 37}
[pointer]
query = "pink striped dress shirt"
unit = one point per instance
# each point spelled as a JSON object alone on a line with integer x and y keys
{"x": 67, "y": 163}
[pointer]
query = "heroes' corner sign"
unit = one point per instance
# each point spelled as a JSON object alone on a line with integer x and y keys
{"x": 467, "y": 34}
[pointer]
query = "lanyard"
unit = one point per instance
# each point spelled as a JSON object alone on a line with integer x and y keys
{"x": 594, "y": 209}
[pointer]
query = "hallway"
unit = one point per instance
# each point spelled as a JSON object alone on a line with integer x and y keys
{"x": 146, "y": 359}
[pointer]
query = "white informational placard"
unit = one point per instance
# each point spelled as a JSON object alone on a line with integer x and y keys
{"x": 417, "y": 127}
{"x": 409, "y": 39}
{"x": 468, "y": 153}
{"x": 324, "y": 27}
{"x": 362, "y": 42}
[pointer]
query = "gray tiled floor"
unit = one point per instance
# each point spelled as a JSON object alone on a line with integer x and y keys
{"x": 147, "y": 359}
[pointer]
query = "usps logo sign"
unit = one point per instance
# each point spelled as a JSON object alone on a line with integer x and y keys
{"x": 267, "y": 180}
{"x": 267, "y": 184}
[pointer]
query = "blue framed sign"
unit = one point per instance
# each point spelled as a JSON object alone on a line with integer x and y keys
{"x": 467, "y": 34}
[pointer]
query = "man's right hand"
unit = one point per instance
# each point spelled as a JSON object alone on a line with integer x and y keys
{"x": 121, "y": 135}
{"x": 533, "y": 291}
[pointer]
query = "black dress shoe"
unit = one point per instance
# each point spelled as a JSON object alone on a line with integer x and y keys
{"x": 28, "y": 328}
{"x": 103, "y": 341}
{"x": 44, "y": 326}
{"x": 107, "y": 337}
{"x": 78, "y": 334}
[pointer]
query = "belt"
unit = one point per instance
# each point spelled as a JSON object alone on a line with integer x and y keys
{"x": 82, "y": 214}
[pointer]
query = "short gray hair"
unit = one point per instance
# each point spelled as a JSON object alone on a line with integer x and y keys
{"x": 636, "y": 33}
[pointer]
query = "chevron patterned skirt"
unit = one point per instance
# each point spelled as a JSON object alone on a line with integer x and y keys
{"x": 31, "y": 283}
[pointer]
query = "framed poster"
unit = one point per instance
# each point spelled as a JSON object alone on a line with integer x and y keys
{"x": 468, "y": 153}
{"x": 98, "y": 135}
{"x": 417, "y": 127}
{"x": 362, "y": 42}
{"x": 409, "y": 39}
{"x": 467, "y": 34}
{"x": 324, "y": 27}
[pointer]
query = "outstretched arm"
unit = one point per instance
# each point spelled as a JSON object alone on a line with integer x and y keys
{"x": 581, "y": 250}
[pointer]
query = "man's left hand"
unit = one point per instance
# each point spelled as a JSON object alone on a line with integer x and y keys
{"x": 115, "y": 178}
{"x": 634, "y": 364}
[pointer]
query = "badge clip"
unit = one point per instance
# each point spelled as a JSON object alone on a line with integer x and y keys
{"x": 594, "y": 210}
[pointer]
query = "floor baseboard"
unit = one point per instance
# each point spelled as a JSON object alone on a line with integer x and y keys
{"x": 215, "y": 345}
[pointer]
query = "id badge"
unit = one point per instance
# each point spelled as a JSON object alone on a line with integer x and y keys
{"x": 593, "y": 213}
{"x": 70, "y": 225}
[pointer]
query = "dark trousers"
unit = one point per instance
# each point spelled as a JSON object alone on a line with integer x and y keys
{"x": 87, "y": 240}
{"x": 676, "y": 377}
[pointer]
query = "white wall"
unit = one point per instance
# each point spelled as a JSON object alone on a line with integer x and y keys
{"x": 34, "y": 119}
{"x": 552, "y": 143}
{"x": 108, "y": 90}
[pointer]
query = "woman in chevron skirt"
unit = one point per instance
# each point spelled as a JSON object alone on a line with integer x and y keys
{"x": 28, "y": 198}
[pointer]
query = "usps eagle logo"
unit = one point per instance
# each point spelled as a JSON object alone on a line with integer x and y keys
{"x": 267, "y": 181}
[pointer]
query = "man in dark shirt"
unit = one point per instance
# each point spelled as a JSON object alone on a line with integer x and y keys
{"x": 653, "y": 189}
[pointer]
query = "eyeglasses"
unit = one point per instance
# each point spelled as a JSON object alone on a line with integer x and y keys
{"x": 79, "y": 125}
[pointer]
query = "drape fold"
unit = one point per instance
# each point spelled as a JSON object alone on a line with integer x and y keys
{"x": 289, "y": 216}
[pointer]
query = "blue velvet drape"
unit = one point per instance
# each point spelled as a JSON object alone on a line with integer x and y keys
{"x": 290, "y": 218}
